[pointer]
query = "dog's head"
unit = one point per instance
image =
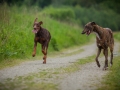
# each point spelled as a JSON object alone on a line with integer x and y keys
{"x": 88, "y": 28}
{"x": 36, "y": 26}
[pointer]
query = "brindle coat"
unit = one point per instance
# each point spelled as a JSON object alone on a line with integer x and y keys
{"x": 104, "y": 39}
{"x": 43, "y": 37}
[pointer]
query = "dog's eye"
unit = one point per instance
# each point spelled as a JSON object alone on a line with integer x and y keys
{"x": 86, "y": 26}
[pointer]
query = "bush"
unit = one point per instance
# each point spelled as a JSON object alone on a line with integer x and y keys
{"x": 54, "y": 44}
{"x": 17, "y": 39}
{"x": 60, "y": 13}
{"x": 103, "y": 18}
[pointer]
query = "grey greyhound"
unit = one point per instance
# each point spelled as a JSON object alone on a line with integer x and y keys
{"x": 104, "y": 39}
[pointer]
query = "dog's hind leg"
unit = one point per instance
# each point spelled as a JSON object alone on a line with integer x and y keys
{"x": 98, "y": 53}
{"x": 105, "y": 52}
{"x": 44, "y": 51}
{"x": 111, "y": 59}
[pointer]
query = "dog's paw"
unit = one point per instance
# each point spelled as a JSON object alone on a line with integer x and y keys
{"x": 44, "y": 62}
{"x": 33, "y": 55}
{"x": 98, "y": 65}
{"x": 105, "y": 68}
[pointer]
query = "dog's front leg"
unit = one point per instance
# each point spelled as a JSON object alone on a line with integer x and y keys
{"x": 111, "y": 50}
{"x": 98, "y": 53}
{"x": 44, "y": 51}
{"x": 34, "y": 51}
{"x": 105, "y": 52}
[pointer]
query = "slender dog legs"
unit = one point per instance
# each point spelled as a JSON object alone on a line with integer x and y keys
{"x": 34, "y": 51}
{"x": 44, "y": 51}
{"x": 98, "y": 53}
{"x": 105, "y": 52}
{"x": 111, "y": 59}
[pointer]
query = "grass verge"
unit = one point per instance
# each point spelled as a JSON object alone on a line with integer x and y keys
{"x": 112, "y": 79}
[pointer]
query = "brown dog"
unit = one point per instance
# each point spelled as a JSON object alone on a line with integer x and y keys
{"x": 43, "y": 37}
{"x": 104, "y": 39}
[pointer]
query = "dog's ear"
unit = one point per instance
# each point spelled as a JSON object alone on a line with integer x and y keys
{"x": 35, "y": 20}
{"x": 40, "y": 22}
{"x": 93, "y": 23}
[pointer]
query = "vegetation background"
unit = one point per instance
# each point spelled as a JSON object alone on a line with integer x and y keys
{"x": 64, "y": 19}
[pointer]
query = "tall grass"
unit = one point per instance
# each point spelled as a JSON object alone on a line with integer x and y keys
{"x": 16, "y": 37}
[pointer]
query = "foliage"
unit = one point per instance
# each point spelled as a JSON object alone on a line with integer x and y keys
{"x": 28, "y": 3}
{"x": 98, "y": 4}
{"x": 17, "y": 37}
{"x": 103, "y": 18}
{"x": 62, "y": 13}
{"x": 117, "y": 35}
{"x": 105, "y": 12}
{"x": 82, "y": 16}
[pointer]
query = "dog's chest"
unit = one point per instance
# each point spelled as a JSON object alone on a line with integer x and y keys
{"x": 99, "y": 43}
{"x": 102, "y": 43}
{"x": 40, "y": 36}
{"x": 40, "y": 39}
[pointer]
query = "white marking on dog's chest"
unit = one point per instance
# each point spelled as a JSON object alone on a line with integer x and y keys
{"x": 99, "y": 44}
{"x": 97, "y": 35}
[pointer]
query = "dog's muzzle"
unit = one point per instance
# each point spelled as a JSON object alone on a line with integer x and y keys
{"x": 35, "y": 31}
{"x": 83, "y": 33}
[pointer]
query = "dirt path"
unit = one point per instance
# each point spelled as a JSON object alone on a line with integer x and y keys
{"x": 35, "y": 66}
{"x": 84, "y": 79}
{"x": 89, "y": 77}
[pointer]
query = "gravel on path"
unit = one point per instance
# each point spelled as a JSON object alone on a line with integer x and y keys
{"x": 86, "y": 78}
{"x": 89, "y": 76}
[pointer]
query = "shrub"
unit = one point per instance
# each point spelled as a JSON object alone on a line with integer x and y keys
{"x": 60, "y": 13}
{"x": 104, "y": 18}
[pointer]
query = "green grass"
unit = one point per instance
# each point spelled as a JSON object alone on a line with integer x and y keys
{"x": 112, "y": 79}
{"x": 75, "y": 66}
{"x": 9, "y": 63}
{"x": 16, "y": 37}
{"x": 117, "y": 36}
{"x": 32, "y": 86}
